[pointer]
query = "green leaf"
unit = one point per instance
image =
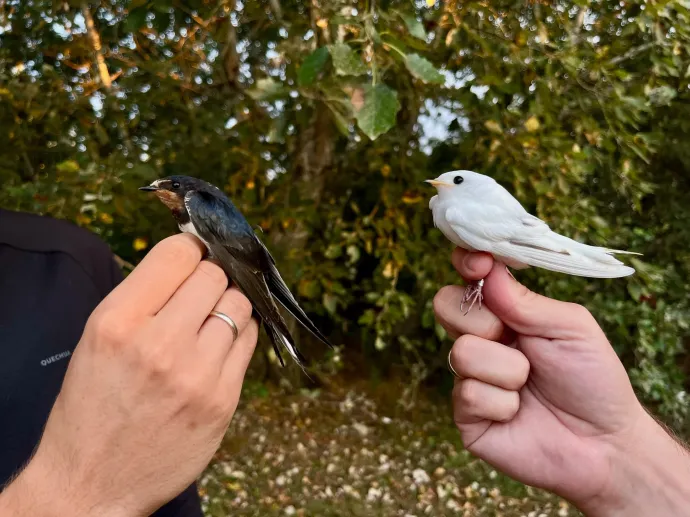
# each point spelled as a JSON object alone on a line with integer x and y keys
{"x": 353, "y": 252}
{"x": 265, "y": 89}
{"x": 378, "y": 112}
{"x": 414, "y": 26}
{"x": 367, "y": 318}
{"x": 277, "y": 133}
{"x": 312, "y": 66}
{"x": 441, "y": 333}
{"x": 371, "y": 31}
{"x": 346, "y": 60}
{"x": 422, "y": 69}
{"x": 330, "y": 302}
{"x": 494, "y": 127}
{"x": 662, "y": 95}
{"x": 135, "y": 20}
{"x": 161, "y": 22}
{"x": 333, "y": 251}
{"x": 68, "y": 167}
{"x": 162, "y": 6}
{"x": 136, "y": 3}
{"x": 309, "y": 289}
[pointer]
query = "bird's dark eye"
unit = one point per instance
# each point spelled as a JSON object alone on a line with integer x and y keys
{"x": 458, "y": 179}
{"x": 175, "y": 185}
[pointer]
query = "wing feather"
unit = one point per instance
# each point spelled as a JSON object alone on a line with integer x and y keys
{"x": 243, "y": 259}
{"x": 512, "y": 233}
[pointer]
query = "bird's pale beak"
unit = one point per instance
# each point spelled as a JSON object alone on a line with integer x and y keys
{"x": 149, "y": 188}
{"x": 437, "y": 183}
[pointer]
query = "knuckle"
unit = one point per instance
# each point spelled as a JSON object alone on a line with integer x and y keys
{"x": 109, "y": 328}
{"x": 468, "y": 394}
{"x": 179, "y": 249}
{"x": 580, "y": 312}
{"x": 191, "y": 388}
{"x": 219, "y": 407}
{"x": 156, "y": 361}
{"x": 213, "y": 272}
{"x": 512, "y": 407}
{"x": 244, "y": 307}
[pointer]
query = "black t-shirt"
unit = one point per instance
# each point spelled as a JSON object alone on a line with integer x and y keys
{"x": 52, "y": 275}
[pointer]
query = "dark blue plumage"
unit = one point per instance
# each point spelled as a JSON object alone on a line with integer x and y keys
{"x": 205, "y": 211}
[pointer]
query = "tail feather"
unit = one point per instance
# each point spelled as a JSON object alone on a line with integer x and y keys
{"x": 279, "y": 339}
{"x": 282, "y": 293}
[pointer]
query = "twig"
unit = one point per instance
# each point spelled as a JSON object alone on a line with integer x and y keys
{"x": 277, "y": 10}
{"x": 123, "y": 263}
{"x": 96, "y": 44}
{"x": 630, "y": 54}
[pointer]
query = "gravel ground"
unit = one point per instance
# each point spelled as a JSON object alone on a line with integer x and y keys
{"x": 352, "y": 453}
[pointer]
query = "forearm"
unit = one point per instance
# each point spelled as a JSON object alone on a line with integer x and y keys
{"x": 39, "y": 492}
{"x": 651, "y": 478}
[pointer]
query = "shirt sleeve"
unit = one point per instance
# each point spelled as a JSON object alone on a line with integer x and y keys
{"x": 187, "y": 504}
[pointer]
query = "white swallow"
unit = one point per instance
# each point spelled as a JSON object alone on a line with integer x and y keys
{"x": 477, "y": 214}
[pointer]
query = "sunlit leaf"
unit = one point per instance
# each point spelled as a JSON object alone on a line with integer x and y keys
{"x": 67, "y": 167}
{"x": 414, "y": 26}
{"x": 346, "y": 60}
{"x": 422, "y": 69}
{"x": 493, "y": 126}
{"x": 330, "y": 302}
{"x": 532, "y": 124}
{"x": 265, "y": 89}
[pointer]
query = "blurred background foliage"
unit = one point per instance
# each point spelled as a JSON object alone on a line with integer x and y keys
{"x": 322, "y": 118}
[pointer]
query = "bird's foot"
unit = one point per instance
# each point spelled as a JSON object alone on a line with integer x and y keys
{"x": 473, "y": 294}
{"x": 511, "y": 273}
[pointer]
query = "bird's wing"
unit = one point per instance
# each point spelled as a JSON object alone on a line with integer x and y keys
{"x": 507, "y": 231}
{"x": 484, "y": 225}
{"x": 242, "y": 258}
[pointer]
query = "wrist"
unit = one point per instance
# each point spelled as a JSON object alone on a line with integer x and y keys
{"x": 650, "y": 475}
{"x": 39, "y": 491}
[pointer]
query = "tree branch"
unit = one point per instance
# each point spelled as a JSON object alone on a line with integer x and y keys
{"x": 96, "y": 44}
{"x": 277, "y": 10}
{"x": 123, "y": 263}
{"x": 631, "y": 53}
{"x": 231, "y": 61}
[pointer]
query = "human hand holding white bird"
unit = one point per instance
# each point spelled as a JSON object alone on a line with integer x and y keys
{"x": 476, "y": 213}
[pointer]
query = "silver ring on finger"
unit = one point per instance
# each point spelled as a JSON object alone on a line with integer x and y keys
{"x": 450, "y": 366}
{"x": 227, "y": 319}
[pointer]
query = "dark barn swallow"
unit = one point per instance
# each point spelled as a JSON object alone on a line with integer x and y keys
{"x": 205, "y": 211}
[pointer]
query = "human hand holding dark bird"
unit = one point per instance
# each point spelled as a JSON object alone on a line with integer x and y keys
{"x": 203, "y": 210}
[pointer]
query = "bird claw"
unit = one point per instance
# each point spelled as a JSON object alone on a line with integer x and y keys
{"x": 473, "y": 294}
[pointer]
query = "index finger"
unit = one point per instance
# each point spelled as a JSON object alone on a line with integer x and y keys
{"x": 151, "y": 284}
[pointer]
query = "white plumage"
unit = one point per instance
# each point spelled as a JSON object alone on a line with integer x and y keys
{"x": 477, "y": 214}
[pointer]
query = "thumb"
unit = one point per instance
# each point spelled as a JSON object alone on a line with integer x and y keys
{"x": 532, "y": 314}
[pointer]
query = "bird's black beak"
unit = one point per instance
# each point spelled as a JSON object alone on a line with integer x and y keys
{"x": 149, "y": 188}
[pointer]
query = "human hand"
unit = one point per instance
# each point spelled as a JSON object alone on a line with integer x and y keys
{"x": 544, "y": 398}
{"x": 148, "y": 394}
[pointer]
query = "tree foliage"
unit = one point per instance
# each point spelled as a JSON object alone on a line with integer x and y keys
{"x": 321, "y": 119}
